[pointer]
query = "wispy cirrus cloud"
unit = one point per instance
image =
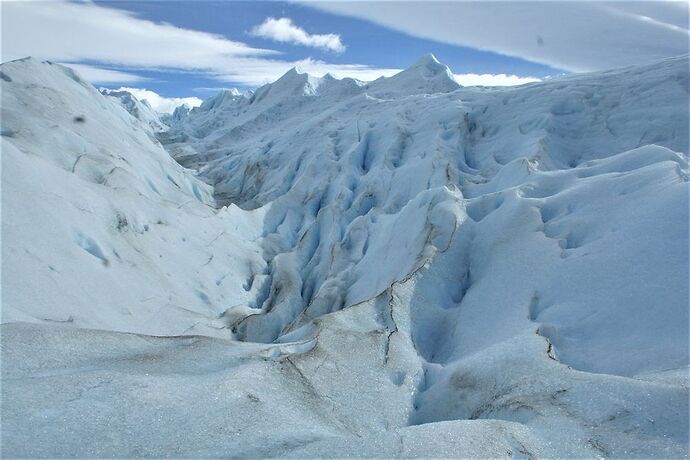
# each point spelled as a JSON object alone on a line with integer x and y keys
{"x": 109, "y": 46}
{"x": 570, "y": 35}
{"x": 88, "y": 36}
{"x": 285, "y": 31}
{"x": 73, "y": 32}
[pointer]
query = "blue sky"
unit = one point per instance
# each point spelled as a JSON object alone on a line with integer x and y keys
{"x": 177, "y": 49}
{"x": 366, "y": 43}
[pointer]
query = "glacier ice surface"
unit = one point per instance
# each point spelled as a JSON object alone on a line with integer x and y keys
{"x": 334, "y": 268}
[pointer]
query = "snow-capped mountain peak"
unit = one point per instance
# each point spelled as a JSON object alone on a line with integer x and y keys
{"x": 430, "y": 63}
{"x": 426, "y": 76}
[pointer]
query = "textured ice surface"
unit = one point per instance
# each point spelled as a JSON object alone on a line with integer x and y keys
{"x": 101, "y": 228}
{"x": 404, "y": 268}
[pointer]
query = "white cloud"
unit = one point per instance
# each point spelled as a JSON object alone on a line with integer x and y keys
{"x": 574, "y": 36}
{"x": 159, "y": 103}
{"x": 283, "y": 30}
{"x": 99, "y": 75}
{"x": 82, "y": 32}
{"x": 487, "y": 79}
{"x": 73, "y": 32}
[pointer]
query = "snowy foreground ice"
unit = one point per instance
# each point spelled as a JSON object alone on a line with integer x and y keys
{"x": 327, "y": 268}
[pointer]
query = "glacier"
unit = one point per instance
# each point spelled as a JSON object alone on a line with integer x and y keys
{"x": 335, "y": 268}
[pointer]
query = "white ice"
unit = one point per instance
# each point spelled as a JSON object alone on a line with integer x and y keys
{"x": 403, "y": 267}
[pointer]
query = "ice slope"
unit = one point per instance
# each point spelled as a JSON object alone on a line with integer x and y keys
{"x": 415, "y": 269}
{"x": 100, "y": 227}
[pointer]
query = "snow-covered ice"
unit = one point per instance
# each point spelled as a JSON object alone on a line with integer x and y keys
{"x": 335, "y": 268}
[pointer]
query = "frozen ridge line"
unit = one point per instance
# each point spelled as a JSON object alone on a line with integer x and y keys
{"x": 433, "y": 270}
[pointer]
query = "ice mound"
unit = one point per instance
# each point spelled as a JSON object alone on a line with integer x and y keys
{"x": 101, "y": 227}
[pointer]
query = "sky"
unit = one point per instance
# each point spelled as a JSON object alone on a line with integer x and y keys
{"x": 183, "y": 51}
